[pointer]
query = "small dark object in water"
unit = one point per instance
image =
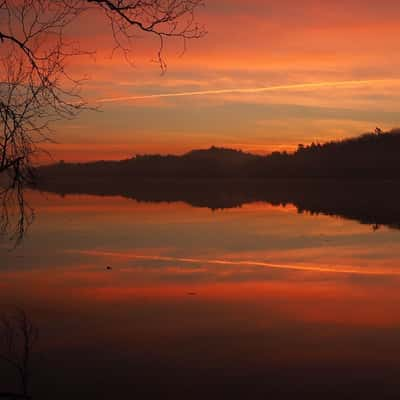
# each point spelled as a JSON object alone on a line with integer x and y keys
{"x": 191, "y": 293}
{"x": 108, "y": 268}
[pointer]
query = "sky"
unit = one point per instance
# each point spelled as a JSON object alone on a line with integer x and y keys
{"x": 267, "y": 76}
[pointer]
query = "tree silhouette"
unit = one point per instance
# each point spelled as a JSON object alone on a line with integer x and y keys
{"x": 34, "y": 50}
{"x": 35, "y": 86}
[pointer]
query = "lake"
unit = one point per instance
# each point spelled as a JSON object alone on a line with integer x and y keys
{"x": 199, "y": 302}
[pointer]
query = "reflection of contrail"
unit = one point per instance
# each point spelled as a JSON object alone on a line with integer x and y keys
{"x": 353, "y": 271}
{"x": 249, "y": 90}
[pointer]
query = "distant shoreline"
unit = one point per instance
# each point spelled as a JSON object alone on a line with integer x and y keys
{"x": 369, "y": 156}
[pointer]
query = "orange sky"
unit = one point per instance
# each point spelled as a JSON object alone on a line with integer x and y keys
{"x": 250, "y": 44}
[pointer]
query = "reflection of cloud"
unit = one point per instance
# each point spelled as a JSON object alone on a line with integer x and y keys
{"x": 296, "y": 267}
{"x": 300, "y": 86}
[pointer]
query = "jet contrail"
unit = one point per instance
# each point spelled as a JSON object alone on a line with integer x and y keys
{"x": 250, "y": 263}
{"x": 249, "y": 90}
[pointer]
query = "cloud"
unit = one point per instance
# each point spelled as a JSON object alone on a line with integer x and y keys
{"x": 298, "y": 86}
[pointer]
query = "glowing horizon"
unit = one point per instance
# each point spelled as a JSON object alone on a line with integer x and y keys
{"x": 290, "y": 74}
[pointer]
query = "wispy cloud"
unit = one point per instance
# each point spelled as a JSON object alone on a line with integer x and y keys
{"x": 254, "y": 90}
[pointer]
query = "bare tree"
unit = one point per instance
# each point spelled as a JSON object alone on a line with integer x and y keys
{"x": 35, "y": 86}
{"x": 18, "y": 336}
{"x": 161, "y": 18}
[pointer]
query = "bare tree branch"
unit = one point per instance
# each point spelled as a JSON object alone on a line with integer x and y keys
{"x": 35, "y": 86}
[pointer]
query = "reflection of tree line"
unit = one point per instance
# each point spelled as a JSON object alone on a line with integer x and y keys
{"x": 367, "y": 201}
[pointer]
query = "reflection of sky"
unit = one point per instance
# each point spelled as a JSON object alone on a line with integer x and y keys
{"x": 92, "y": 231}
{"x": 161, "y": 310}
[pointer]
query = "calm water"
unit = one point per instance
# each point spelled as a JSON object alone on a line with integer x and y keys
{"x": 201, "y": 303}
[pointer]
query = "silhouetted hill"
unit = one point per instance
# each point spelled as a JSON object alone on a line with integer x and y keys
{"x": 223, "y": 178}
{"x": 213, "y": 162}
{"x": 219, "y": 154}
{"x": 373, "y": 155}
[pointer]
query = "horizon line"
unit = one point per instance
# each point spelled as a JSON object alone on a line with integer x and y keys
{"x": 234, "y": 147}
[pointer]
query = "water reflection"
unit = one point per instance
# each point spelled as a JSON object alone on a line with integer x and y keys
{"x": 374, "y": 202}
{"x": 256, "y": 300}
{"x": 16, "y": 215}
{"x": 18, "y": 337}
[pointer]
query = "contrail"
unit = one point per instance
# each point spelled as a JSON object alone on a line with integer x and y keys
{"x": 250, "y": 263}
{"x": 249, "y": 90}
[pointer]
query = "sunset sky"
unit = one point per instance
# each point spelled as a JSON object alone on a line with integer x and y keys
{"x": 268, "y": 76}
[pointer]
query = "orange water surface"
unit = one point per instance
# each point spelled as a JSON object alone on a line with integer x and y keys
{"x": 201, "y": 303}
